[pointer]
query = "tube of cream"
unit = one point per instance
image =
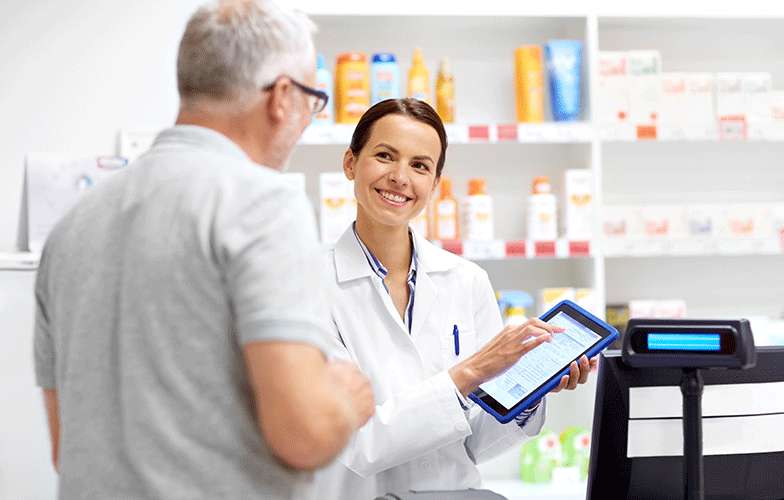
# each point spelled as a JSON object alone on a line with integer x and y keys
{"x": 563, "y": 71}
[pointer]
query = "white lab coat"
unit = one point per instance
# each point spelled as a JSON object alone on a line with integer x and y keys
{"x": 420, "y": 437}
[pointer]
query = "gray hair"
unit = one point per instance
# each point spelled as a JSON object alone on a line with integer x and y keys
{"x": 232, "y": 48}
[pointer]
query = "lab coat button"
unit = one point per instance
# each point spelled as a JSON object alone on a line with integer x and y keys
{"x": 461, "y": 427}
{"x": 425, "y": 466}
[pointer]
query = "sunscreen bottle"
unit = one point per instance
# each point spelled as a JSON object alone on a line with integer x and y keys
{"x": 384, "y": 78}
{"x": 324, "y": 83}
{"x": 542, "y": 208}
{"x": 352, "y": 87}
{"x": 445, "y": 212}
{"x": 477, "y": 212}
{"x": 421, "y": 223}
{"x": 529, "y": 86}
{"x": 445, "y": 93}
{"x": 419, "y": 78}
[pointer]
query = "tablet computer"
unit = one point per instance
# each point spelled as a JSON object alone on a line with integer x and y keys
{"x": 540, "y": 370}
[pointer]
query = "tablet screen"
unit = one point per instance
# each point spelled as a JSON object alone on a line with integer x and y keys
{"x": 538, "y": 366}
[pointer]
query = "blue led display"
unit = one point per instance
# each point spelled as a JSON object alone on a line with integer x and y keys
{"x": 684, "y": 341}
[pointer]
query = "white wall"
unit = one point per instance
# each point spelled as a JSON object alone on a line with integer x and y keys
{"x": 74, "y": 72}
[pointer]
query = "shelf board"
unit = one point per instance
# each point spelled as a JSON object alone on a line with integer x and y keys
{"x": 517, "y": 249}
{"x": 697, "y": 247}
{"x": 19, "y": 261}
{"x": 535, "y": 133}
{"x": 772, "y": 131}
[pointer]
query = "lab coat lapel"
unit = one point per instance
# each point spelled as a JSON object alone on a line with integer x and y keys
{"x": 424, "y": 297}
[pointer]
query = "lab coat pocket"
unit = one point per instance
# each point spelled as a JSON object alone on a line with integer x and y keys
{"x": 457, "y": 349}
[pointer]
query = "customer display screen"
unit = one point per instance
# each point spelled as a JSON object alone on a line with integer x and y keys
{"x": 684, "y": 342}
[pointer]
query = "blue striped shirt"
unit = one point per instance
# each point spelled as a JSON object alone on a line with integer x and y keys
{"x": 381, "y": 272}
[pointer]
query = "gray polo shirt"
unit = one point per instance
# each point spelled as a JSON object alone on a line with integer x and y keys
{"x": 146, "y": 291}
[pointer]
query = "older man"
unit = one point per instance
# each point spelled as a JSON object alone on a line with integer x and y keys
{"x": 180, "y": 321}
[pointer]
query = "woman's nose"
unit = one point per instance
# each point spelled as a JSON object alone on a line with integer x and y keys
{"x": 398, "y": 173}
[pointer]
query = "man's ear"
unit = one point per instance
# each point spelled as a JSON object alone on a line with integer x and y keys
{"x": 279, "y": 101}
{"x": 348, "y": 164}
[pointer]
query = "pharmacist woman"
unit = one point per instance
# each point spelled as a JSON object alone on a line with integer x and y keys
{"x": 397, "y": 302}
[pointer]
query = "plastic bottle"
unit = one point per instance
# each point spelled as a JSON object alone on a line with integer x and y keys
{"x": 352, "y": 87}
{"x": 445, "y": 213}
{"x": 477, "y": 212}
{"x": 421, "y": 223}
{"x": 324, "y": 83}
{"x": 513, "y": 304}
{"x": 445, "y": 92}
{"x": 419, "y": 78}
{"x": 529, "y": 86}
{"x": 542, "y": 212}
{"x": 384, "y": 78}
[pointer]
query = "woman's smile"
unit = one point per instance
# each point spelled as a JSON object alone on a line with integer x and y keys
{"x": 394, "y": 198}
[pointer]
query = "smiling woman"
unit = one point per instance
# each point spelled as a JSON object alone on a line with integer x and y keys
{"x": 413, "y": 317}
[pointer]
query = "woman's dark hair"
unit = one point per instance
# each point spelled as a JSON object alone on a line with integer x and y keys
{"x": 412, "y": 108}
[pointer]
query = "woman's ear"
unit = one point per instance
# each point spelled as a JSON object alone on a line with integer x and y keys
{"x": 348, "y": 164}
{"x": 435, "y": 186}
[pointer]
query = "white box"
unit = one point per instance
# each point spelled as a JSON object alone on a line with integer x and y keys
{"x": 674, "y": 99}
{"x": 730, "y": 99}
{"x": 644, "y": 86}
{"x": 295, "y": 179}
{"x": 756, "y": 93}
{"x": 700, "y": 100}
{"x": 619, "y": 223}
{"x": 612, "y": 93}
{"x": 549, "y": 297}
{"x": 586, "y": 298}
{"x": 777, "y": 105}
{"x": 700, "y": 221}
{"x": 643, "y": 309}
{"x": 578, "y": 204}
{"x": 337, "y": 205}
{"x": 664, "y": 221}
{"x": 671, "y": 308}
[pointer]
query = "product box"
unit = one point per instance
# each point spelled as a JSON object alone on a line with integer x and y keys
{"x": 730, "y": 100}
{"x": 756, "y": 94}
{"x": 586, "y": 298}
{"x": 674, "y": 99}
{"x": 700, "y": 97}
{"x": 620, "y": 222}
{"x": 643, "y": 308}
{"x": 671, "y": 308}
{"x": 701, "y": 221}
{"x": 612, "y": 88}
{"x": 295, "y": 179}
{"x": 578, "y": 204}
{"x": 549, "y": 297}
{"x": 337, "y": 207}
{"x": 777, "y": 105}
{"x": 617, "y": 316}
{"x": 749, "y": 220}
{"x": 663, "y": 221}
{"x": 644, "y": 86}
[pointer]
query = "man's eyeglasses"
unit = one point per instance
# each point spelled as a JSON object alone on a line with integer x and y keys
{"x": 316, "y": 98}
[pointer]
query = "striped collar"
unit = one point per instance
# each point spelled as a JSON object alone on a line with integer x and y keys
{"x": 381, "y": 272}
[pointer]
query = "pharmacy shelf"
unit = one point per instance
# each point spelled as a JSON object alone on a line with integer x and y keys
{"x": 517, "y": 249}
{"x": 529, "y": 133}
{"x": 19, "y": 261}
{"x": 736, "y": 129}
{"x": 693, "y": 247}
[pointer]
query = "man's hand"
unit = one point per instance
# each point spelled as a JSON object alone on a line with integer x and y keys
{"x": 578, "y": 374}
{"x": 359, "y": 392}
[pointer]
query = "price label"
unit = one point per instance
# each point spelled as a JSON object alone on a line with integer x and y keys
{"x": 544, "y": 249}
{"x": 484, "y": 249}
{"x": 528, "y": 132}
{"x": 646, "y": 132}
{"x": 515, "y": 249}
{"x": 733, "y": 128}
{"x": 479, "y": 133}
{"x": 579, "y": 248}
{"x": 454, "y": 246}
{"x": 507, "y": 132}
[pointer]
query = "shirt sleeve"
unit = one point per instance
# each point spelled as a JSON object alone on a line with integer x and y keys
{"x": 271, "y": 256}
{"x": 43, "y": 348}
{"x": 491, "y": 438}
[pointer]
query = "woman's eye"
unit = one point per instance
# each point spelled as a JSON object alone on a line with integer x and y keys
{"x": 384, "y": 155}
{"x": 422, "y": 167}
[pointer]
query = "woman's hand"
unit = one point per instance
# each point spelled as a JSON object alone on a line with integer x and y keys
{"x": 578, "y": 374}
{"x": 503, "y": 351}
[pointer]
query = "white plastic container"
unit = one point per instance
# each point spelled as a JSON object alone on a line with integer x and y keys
{"x": 476, "y": 215}
{"x": 384, "y": 78}
{"x": 542, "y": 212}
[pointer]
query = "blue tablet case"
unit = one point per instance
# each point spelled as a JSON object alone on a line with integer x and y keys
{"x": 538, "y": 394}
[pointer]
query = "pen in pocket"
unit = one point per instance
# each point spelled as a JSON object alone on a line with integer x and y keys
{"x": 456, "y": 334}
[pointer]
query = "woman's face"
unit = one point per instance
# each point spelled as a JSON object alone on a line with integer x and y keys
{"x": 395, "y": 173}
